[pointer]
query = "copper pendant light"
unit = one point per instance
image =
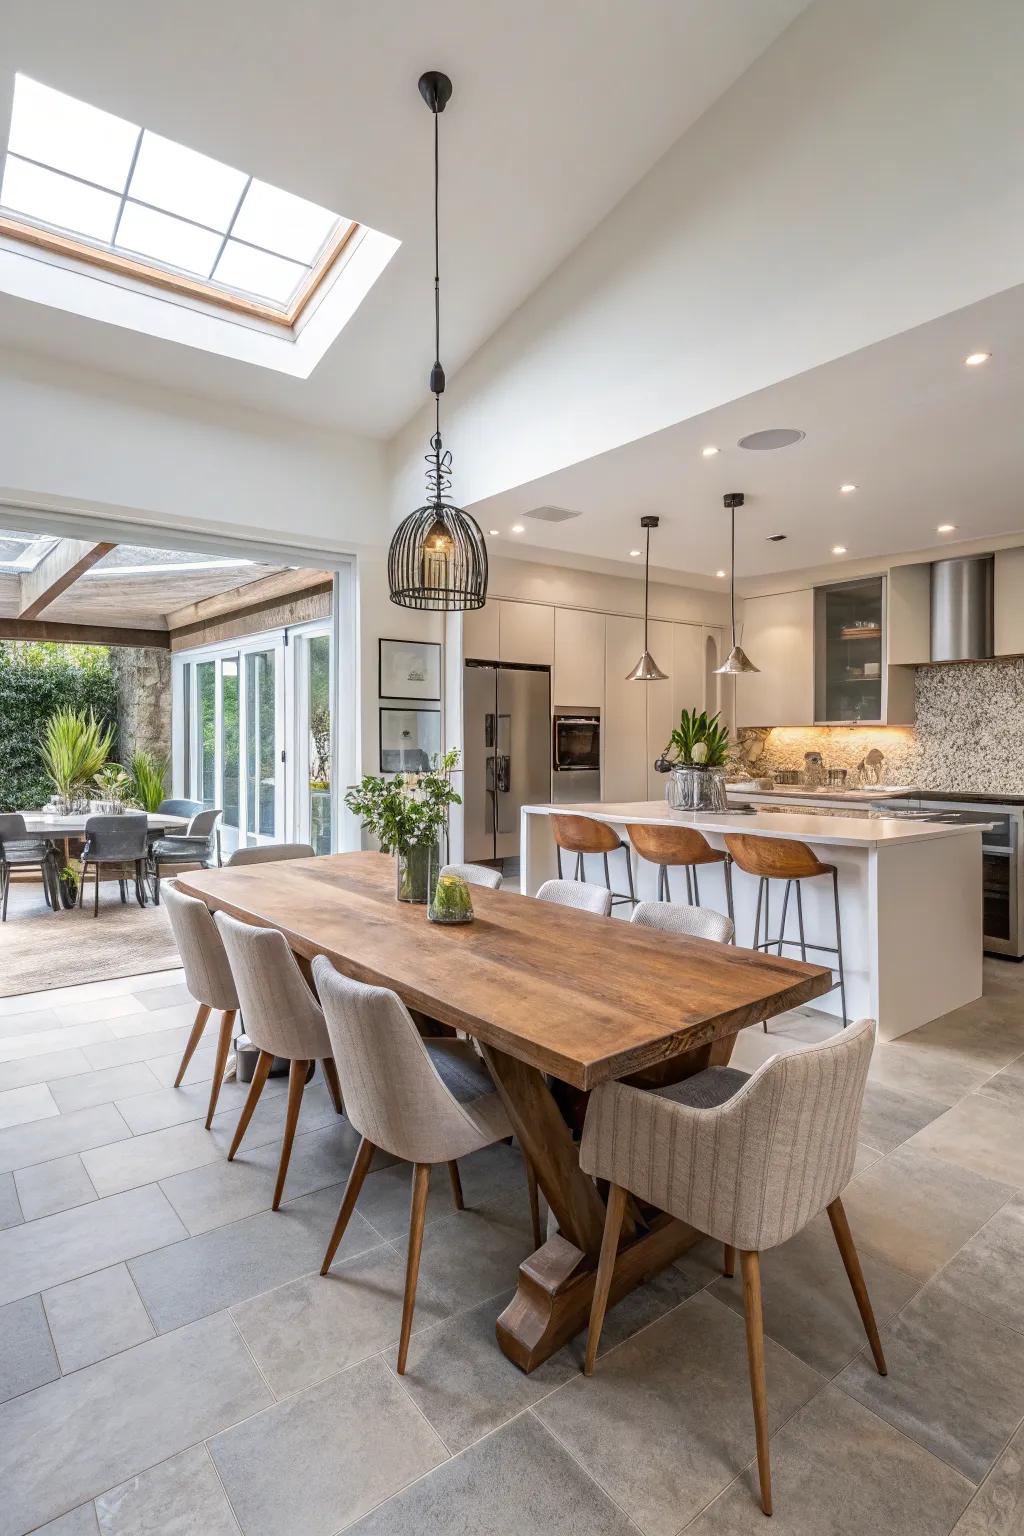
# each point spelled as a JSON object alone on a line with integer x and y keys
{"x": 647, "y": 669}
{"x": 737, "y": 660}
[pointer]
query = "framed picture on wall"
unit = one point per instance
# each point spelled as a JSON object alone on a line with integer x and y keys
{"x": 409, "y": 669}
{"x": 409, "y": 738}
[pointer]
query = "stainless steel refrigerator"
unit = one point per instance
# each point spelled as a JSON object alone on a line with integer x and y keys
{"x": 507, "y": 753}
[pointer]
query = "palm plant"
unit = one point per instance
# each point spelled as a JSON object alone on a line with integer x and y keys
{"x": 699, "y": 741}
{"x": 73, "y": 749}
{"x": 147, "y": 780}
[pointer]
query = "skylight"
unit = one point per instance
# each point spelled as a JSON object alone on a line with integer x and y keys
{"x": 118, "y": 194}
{"x": 20, "y": 552}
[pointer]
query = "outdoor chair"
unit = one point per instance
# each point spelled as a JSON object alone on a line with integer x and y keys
{"x": 115, "y": 841}
{"x": 196, "y": 845}
{"x": 19, "y": 849}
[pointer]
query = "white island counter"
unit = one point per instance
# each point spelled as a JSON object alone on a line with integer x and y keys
{"x": 910, "y": 896}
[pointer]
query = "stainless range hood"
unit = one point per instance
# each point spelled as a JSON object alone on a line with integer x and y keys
{"x": 962, "y": 609}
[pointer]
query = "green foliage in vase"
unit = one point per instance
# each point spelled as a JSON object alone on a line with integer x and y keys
{"x": 74, "y": 748}
{"x": 113, "y": 783}
{"x": 452, "y": 902}
{"x": 407, "y": 808}
{"x": 699, "y": 741}
{"x": 147, "y": 780}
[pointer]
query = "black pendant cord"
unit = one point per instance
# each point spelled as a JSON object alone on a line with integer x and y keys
{"x": 732, "y": 577}
{"x": 437, "y": 372}
{"x": 647, "y": 585}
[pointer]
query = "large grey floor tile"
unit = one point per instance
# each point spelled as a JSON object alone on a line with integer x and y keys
{"x": 892, "y": 1115}
{"x": 319, "y": 1324}
{"x": 665, "y": 1422}
{"x": 981, "y": 1034}
{"x": 518, "y": 1482}
{"x": 96, "y": 1316}
{"x": 27, "y": 1359}
{"x": 10, "y": 1207}
{"x": 44, "y": 1140}
{"x": 44, "y": 1253}
{"x": 20, "y": 1105}
{"x": 46, "y": 1188}
{"x": 119, "y": 1417}
{"x": 319, "y": 1460}
{"x": 45, "y": 1068}
{"x": 837, "y": 1470}
{"x": 955, "y": 1382}
{"x": 77, "y": 1522}
{"x": 91, "y": 1010}
{"x": 46, "y": 1041}
{"x": 493, "y": 1183}
{"x": 997, "y": 1508}
{"x": 144, "y": 1159}
{"x": 199, "y": 1070}
{"x": 180, "y": 1497}
{"x": 916, "y": 1065}
{"x": 981, "y": 1135}
{"x": 144, "y": 1022}
{"x": 472, "y": 1254}
{"x": 172, "y": 994}
{"x": 916, "y": 1211}
{"x": 160, "y": 1107}
{"x": 1007, "y": 1087}
{"x": 988, "y": 1272}
{"x": 221, "y": 1191}
{"x": 232, "y": 1263}
{"x": 26, "y": 1023}
{"x": 103, "y": 1087}
{"x": 148, "y": 1047}
{"x": 808, "y": 1304}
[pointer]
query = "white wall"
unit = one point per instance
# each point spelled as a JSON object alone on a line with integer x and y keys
{"x": 567, "y": 587}
{"x": 861, "y": 178}
{"x": 379, "y": 617}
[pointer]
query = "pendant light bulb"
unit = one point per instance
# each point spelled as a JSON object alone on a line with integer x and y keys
{"x": 647, "y": 669}
{"x": 737, "y": 661}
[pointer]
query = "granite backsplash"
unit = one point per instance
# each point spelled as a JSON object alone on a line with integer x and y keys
{"x": 968, "y": 736}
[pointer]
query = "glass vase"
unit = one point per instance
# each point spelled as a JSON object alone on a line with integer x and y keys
{"x": 451, "y": 901}
{"x": 416, "y": 871}
{"x": 697, "y": 789}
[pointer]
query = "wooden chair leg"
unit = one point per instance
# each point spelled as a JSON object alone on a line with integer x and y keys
{"x": 330, "y": 1072}
{"x": 851, "y": 1261}
{"x": 227, "y": 1024}
{"x": 751, "y": 1265}
{"x": 202, "y": 1014}
{"x": 728, "y": 1261}
{"x": 534, "y": 1193}
{"x": 420, "y": 1188}
{"x": 456, "y": 1182}
{"x": 605, "y": 1270}
{"x": 296, "y": 1083}
{"x": 264, "y": 1062}
{"x": 360, "y": 1168}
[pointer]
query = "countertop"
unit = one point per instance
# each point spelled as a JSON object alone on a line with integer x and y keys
{"x": 865, "y": 794}
{"x": 838, "y": 830}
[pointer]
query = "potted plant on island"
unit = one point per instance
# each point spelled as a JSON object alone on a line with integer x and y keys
{"x": 408, "y": 815}
{"x": 697, "y": 753}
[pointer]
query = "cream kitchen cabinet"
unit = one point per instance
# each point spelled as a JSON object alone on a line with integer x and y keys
{"x": 526, "y": 633}
{"x": 578, "y": 679}
{"x": 624, "y": 722}
{"x": 1008, "y": 602}
{"x": 778, "y": 636}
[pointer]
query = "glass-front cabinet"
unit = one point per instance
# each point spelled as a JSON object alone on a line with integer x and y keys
{"x": 849, "y": 652}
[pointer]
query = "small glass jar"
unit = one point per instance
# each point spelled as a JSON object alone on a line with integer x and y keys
{"x": 452, "y": 902}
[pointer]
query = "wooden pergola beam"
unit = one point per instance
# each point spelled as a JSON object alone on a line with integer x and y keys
{"x": 56, "y": 572}
{"x": 83, "y": 634}
{"x": 254, "y": 594}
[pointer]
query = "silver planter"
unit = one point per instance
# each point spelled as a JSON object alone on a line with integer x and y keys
{"x": 697, "y": 789}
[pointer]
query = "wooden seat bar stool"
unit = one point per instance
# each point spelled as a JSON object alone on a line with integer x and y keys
{"x": 776, "y": 858}
{"x": 670, "y": 846}
{"x": 582, "y": 835}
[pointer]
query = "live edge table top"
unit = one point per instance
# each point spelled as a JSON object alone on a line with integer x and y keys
{"x": 583, "y": 997}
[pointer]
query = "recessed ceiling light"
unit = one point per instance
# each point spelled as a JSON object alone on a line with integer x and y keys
{"x": 975, "y": 359}
{"x": 847, "y": 488}
{"x": 634, "y": 553}
{"x": 518, "y": 528}
{"x": 839, "y": 549}
{"x": 946, "y": 528}
{"x": 710, "y": 451}
{"x": 720, "y": 575}
{"x": 493, "y": 532}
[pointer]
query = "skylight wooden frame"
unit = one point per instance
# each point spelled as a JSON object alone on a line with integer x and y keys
{"x": 140, "y": 270}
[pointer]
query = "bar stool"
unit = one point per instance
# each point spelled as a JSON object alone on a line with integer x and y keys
{"x": 672, "y": 845}
{"x": 772, "y": 858}
{"x": 582, "y": 835}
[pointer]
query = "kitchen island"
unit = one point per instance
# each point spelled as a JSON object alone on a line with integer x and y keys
{"x": 910, "y": 894}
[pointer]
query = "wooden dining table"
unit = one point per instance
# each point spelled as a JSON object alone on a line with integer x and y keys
{"x": 559, "y": 1001}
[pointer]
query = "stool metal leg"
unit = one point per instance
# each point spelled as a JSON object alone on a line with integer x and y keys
{"x": 581, "y": 868}
{"x": 782, "y": 926}
{"x": 629, "y": 874}
{"x": 689, "y": 887}
{"x": 661, "y": 882}
{"x": 800, "y": 922}
{"x": 696, "y": 887}
{"x": 727, "y": 870}
{"x": 607, "y": 875}
{"x": 558, "y": 856}
{"x": 839, "y": 946}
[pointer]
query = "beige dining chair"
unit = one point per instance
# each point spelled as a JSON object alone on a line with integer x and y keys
{"x": 476, "y": 874}
{"x": 282, "y": 1018}
{"x": 747, "y": 1160}
{"x": 270, "y": 853}
{"x": 208, "y": 978}
{"x": 577, "y": 893}
{"x": 692, "y": 922}
{"x": 424, "y": 1101}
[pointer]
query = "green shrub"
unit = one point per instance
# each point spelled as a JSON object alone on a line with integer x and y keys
{"x": 36, "y": 681}
{"x": 147, "y": 780}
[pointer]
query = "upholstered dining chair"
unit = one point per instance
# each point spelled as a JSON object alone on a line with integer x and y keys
{"x": 424, "y": 1101}
{"x": 270, "y": 853}
{"x": 208, "y": 978}
{"x": 282, "y": 1018}
{"x": 693, "y": 922}
{"x": 20, "y": 849}
{"x": 476, "y": 874}
{"x": 747, "y": 1160}
{"x": 577, "y": 893}
{"x": 115, "y": 842}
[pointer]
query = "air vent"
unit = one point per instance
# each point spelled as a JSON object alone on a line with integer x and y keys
{"x": 552, "y": 514}
{"x": 773, "y": 437}
{"x": 777, "y": 538}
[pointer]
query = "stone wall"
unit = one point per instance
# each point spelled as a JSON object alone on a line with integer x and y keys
{"x": 143, "y": 679}
{"x": 969, "y": 734}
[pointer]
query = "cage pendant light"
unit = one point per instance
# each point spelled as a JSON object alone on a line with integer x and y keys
{"x": 737, "y": 660}
{"x": 647, "y": 669}
{"x": 438, "y": 559}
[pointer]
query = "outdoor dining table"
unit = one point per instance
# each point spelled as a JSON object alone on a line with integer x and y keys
{"x": 70, "y": 828}
{"x": 559, "y": 1001}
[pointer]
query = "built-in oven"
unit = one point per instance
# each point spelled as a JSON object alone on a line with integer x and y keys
{"x": 576, "y": 755}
